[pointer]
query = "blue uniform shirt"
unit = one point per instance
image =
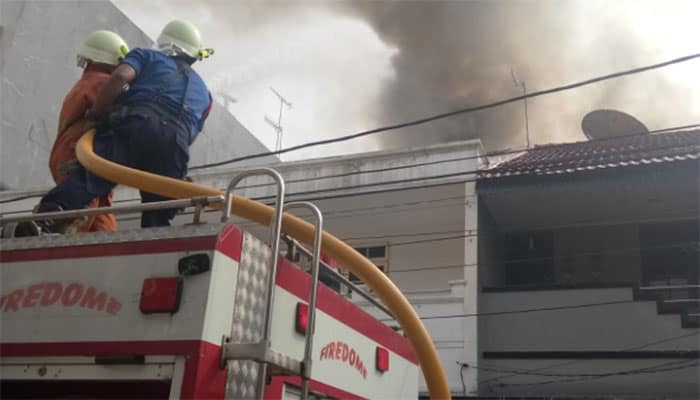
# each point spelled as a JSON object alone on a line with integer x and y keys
{"x": 154, "y": 74}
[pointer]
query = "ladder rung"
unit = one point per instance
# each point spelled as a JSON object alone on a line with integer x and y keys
{"x": 260, "y": 352}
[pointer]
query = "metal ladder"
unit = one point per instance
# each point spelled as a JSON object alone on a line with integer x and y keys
{"x": 239, "y": 352}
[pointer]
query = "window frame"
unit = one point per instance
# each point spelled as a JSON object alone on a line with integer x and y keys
{"x": 381, "y": 262}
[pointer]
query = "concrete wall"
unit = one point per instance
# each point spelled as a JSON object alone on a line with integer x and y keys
{"x": 617, "y": 327}
{"x": 423, "y": 227}
{"x": 38, "y": 42}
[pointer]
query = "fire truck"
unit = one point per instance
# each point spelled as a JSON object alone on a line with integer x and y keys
{"x": 203, "y": 310}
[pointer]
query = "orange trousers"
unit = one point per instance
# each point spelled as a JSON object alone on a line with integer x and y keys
{"x": 62, "y": 161}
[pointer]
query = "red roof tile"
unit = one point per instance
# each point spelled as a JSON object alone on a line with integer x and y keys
{"x": 616, "y": 152}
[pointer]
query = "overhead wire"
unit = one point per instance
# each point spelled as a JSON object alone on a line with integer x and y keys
{"x": 445, "y": 115}
{"x": 554, "y": 375}
{"x": 396, "y": 181}
{"x": 669, "y": 366}
{"x": 632, "y": 251}
{"x": 453, "y": 113}
{"x": 568, "y": 363}
{"x": 524, "y": 310}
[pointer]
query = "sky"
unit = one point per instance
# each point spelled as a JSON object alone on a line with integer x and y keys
{"x": 347, "y": 66}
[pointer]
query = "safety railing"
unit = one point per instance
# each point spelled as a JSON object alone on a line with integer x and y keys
{"x": 311, "y": 325}
{"x": 8, "y": 223}
{"x": 340, "y": 278}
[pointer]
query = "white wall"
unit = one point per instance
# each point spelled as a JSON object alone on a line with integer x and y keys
{"x": 602, "y": 328}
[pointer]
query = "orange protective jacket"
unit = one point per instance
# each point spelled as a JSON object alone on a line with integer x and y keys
{"x": 71, "y": 126}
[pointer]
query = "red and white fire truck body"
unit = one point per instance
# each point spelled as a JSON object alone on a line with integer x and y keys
{"x": 148, "y": 314}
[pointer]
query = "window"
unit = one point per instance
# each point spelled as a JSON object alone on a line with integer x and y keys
{"x": 669, "y": 253}
{"x": 529, "y": 260}
{"x": 376, "y": 254}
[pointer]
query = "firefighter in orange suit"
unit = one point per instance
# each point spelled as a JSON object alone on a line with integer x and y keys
{"x": 99, "y": 56}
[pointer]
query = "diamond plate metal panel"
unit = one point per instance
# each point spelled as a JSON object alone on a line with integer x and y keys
{"x": 251, "y": 293}
{"x": 242, "y": 379}
{"x": 249, "y": 315}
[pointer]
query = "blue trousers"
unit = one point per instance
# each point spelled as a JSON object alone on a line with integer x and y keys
{"x": 137, "y": 137}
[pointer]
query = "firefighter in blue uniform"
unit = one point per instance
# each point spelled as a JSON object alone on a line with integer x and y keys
{"x": 147, "y": 115}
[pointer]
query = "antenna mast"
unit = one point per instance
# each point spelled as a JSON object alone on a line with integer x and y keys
{"x": 277, "y": 126}
{"x": 527, "y": 123}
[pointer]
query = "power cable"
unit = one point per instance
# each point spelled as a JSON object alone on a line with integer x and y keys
{"x": 400, "y": 181}
{"x": 465, "y": 158}
{"x": 567, "y": 363}
{"x": 670, "y": 366}
{"x": 558, "y": 375}
{"x": 632, "y": 251}
{"x": 453, "y": 113}
{"x": 405, "y": 180}
{"x": 524, "y": 310}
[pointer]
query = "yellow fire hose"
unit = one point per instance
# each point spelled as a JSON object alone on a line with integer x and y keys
{"x": 303, "y": 231}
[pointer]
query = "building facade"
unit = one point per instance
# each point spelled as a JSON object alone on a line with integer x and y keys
{"x": 588, "y": 267}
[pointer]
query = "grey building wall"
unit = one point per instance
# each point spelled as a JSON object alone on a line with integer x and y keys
{"x": 38, "y": 40}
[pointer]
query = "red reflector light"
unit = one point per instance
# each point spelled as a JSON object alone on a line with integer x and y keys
{"x": 160, "y": 295}
{"x": 382, "y": 363}
{"x": 302, "y": 318}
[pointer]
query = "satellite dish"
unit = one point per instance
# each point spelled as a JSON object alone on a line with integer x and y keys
{"x": 600, "y": 124}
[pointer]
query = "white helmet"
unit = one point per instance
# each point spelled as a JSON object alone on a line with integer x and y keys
{"x": 182, "y": 37}
{"x": 104, "y": 47}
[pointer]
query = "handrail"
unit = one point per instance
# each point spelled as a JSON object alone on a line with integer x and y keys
{"x": 86, "y": 212}
{"x": 311, "y": 324}
{"x": 275, "y": 232}
{"x": 385, "y": 289}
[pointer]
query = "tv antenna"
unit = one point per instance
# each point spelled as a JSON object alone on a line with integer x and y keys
{"x": 278, "y": 125}
{"x": 524, "y": 88}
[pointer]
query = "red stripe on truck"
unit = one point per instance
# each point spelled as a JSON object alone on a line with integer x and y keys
{"x": 228, "y": 242}
{"x": 110, "y": 249}
{"x": 298, "y": 283}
